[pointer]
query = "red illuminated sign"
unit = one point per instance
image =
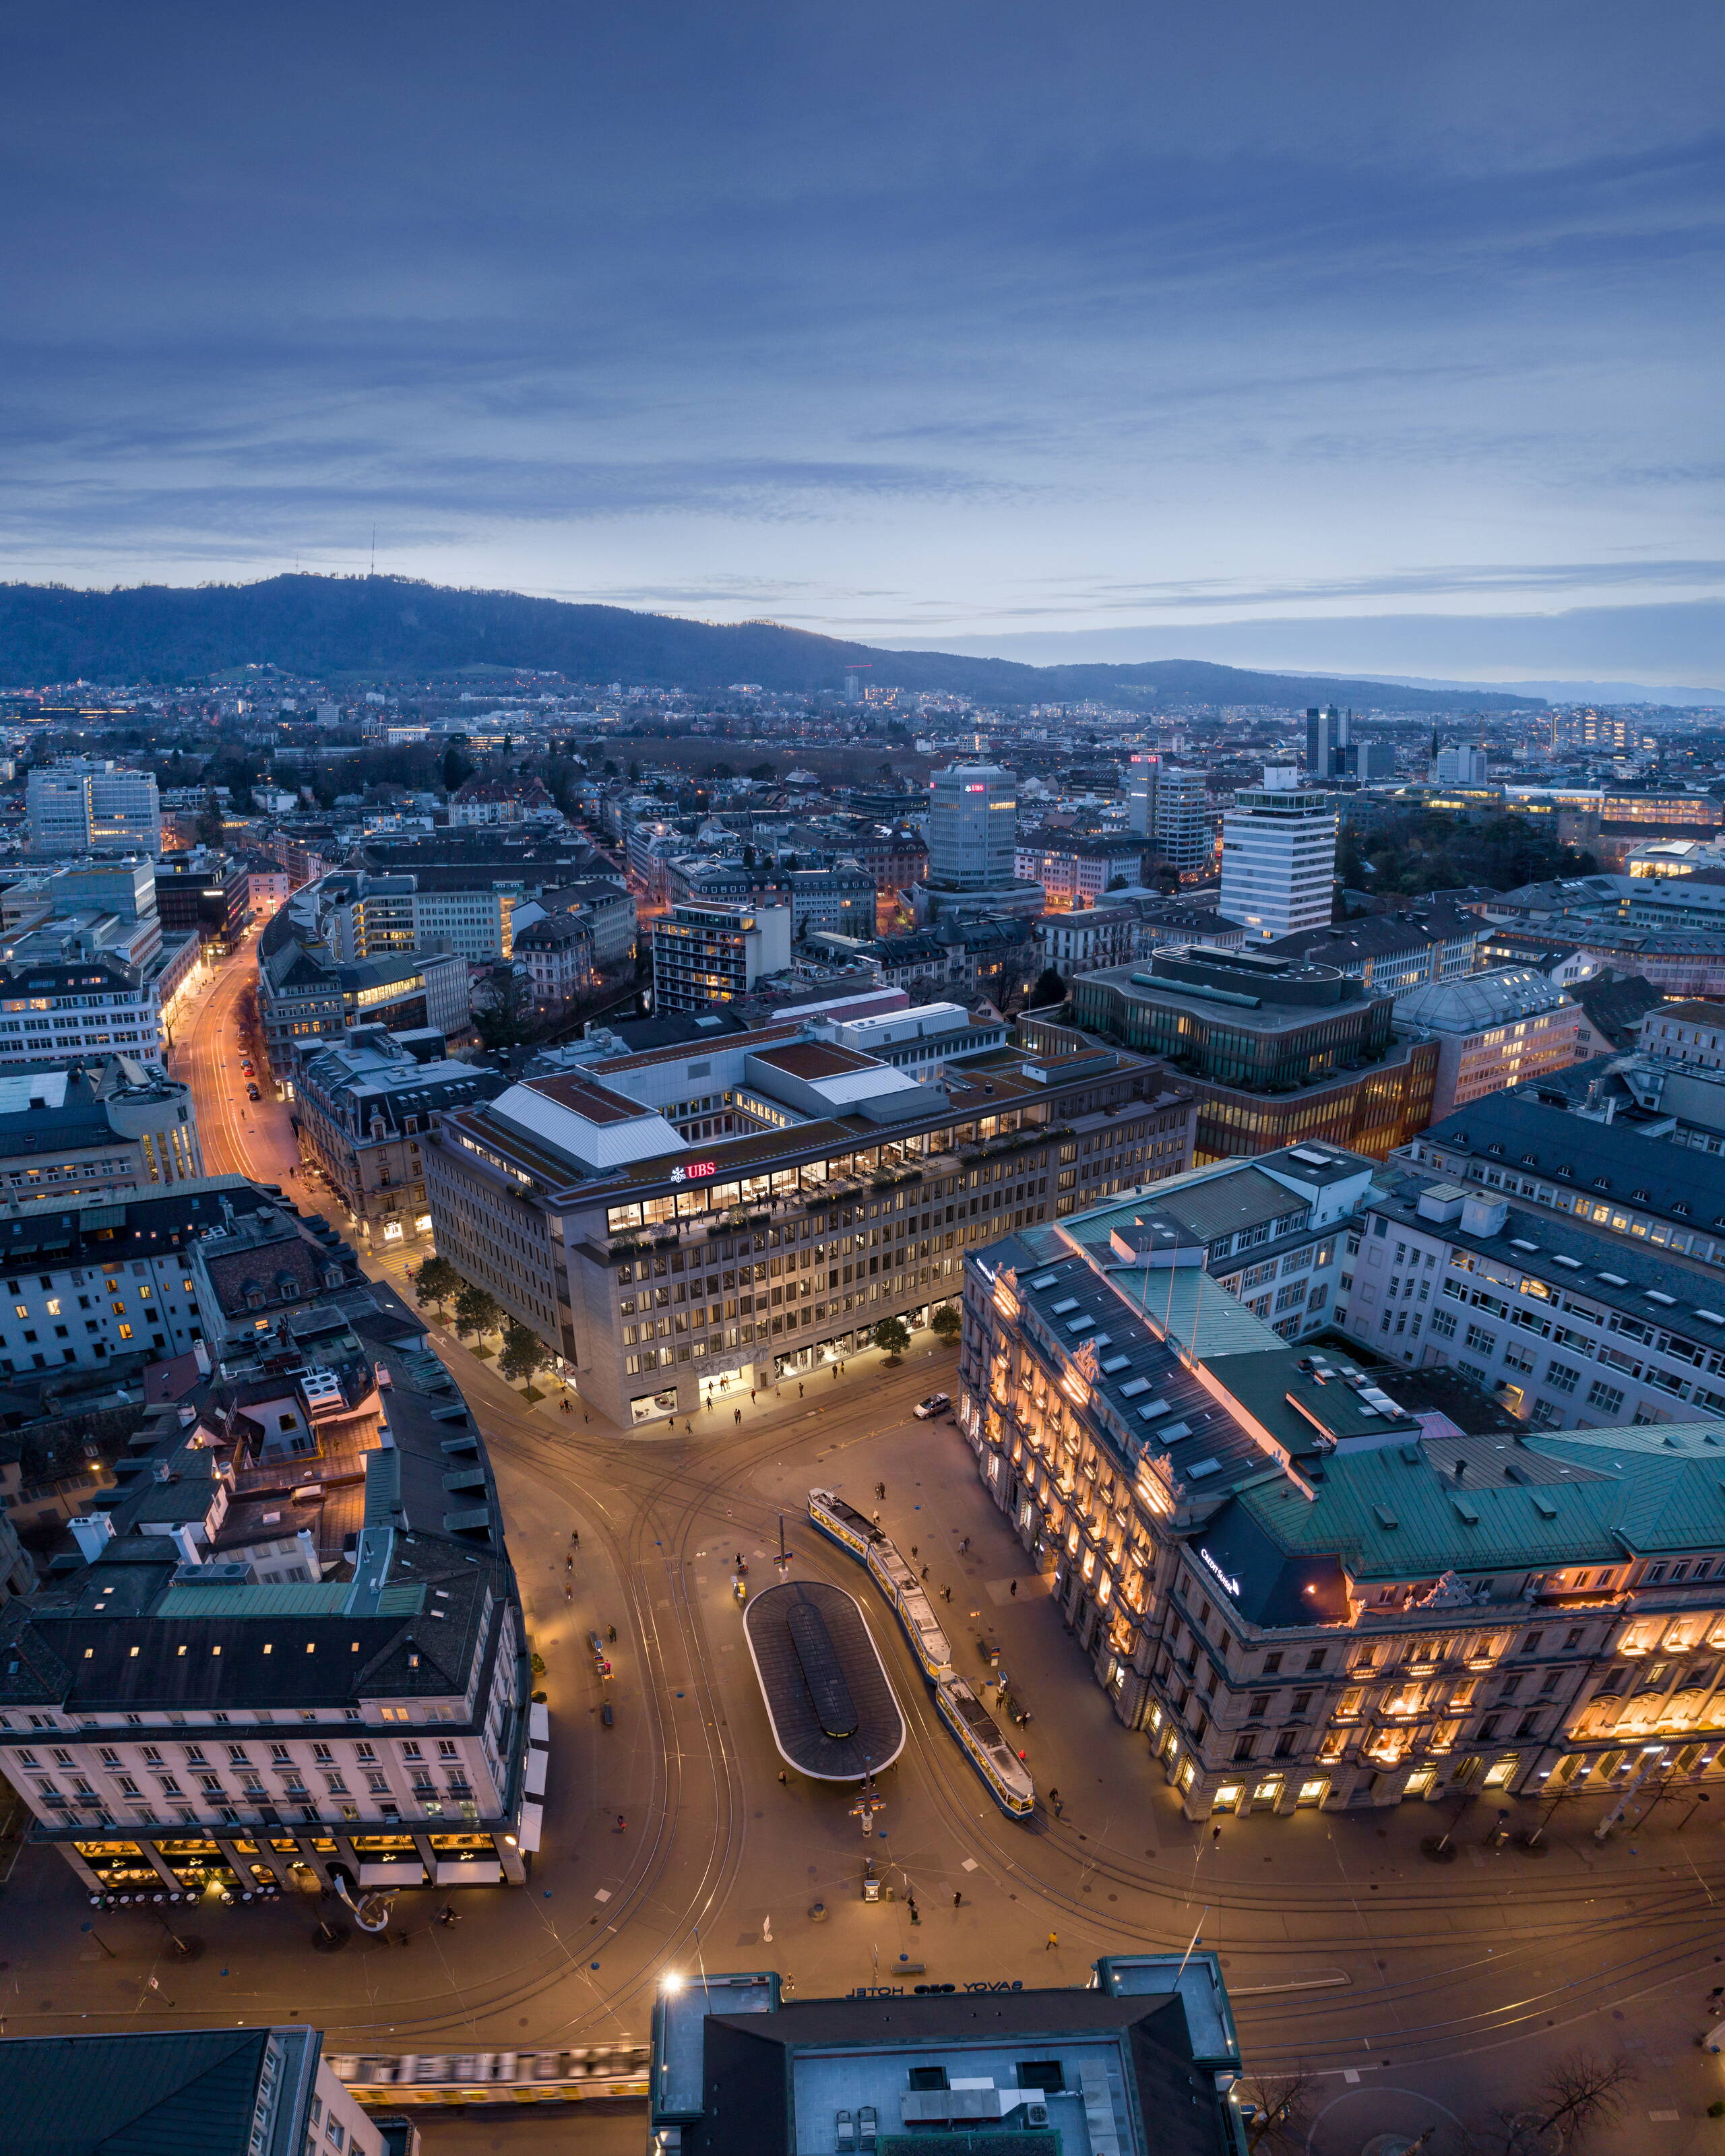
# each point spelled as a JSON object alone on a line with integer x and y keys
{"x": 692, "y": 1171}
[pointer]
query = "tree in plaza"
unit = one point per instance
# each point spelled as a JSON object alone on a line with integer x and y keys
{"x": 437, "y": 1280}
{"x": 524, "y": 1354}
{"x": 1050, "y": 988}
{"x": 1579, "y": 2090}
{"x": 946, "y": 1324}
{"x": 1283, "y": 2112}
{"x": 476, "y": 1310}
{"x": 893, "y": 1335}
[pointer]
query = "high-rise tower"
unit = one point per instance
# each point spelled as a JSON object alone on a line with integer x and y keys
{"x": 1278, "y": 858}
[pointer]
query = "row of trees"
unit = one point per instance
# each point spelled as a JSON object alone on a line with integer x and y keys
{"x": 523, "y": 1354}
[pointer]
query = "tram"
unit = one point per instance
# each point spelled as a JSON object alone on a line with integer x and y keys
{"x": 391, "y": 2082}
{"x": 977, "y": 1733}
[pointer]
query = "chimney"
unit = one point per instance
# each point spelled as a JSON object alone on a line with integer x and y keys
{"x": 89, "y": 1530}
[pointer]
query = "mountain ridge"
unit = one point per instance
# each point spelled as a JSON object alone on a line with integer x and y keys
{"x": 382, "y": 625}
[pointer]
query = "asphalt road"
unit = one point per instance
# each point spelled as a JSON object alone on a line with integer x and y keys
{"x": 1418, "y": 1995}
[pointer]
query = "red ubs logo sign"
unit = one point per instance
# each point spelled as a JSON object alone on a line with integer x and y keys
{"x": 693, "y": 1171}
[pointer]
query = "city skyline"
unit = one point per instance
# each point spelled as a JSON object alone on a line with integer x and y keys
{"x": 933, "y": 331}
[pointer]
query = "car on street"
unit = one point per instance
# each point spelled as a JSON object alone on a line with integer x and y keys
{"x": 936, "y": 1404}
{"x": 253, "y": 1094}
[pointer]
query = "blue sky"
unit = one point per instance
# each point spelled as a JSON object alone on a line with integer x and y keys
{"x": 945, "y": 322}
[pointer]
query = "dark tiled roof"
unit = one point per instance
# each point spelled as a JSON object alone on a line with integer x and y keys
{"x": 1590, "y": 1158}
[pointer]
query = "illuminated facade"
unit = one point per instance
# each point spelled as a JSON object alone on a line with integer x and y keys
{"x": 691, "y": 1224}
{"x": 1303, "y": 1596}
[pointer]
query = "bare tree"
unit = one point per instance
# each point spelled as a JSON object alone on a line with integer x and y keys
{"x": 1284, "y": 2111}
{"x": 1579, "y": 2090}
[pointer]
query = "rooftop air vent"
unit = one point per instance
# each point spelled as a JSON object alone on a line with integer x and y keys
{"x": 1614, "y": 1280}
{"x": 1065, "y": 1303}
{"x": 1657, "y": 1295}
{"x": 1712, "y": 1316}
{"x": 1517, "y": 1244}
{"x": 1570, "y": 1264}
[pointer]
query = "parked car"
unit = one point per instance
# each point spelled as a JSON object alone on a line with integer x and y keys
{"x": 936, "y": 1404}
{"x": 252, "y": 1093}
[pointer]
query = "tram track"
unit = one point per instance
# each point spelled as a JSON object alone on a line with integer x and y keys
{"x": 683, "y": 1496}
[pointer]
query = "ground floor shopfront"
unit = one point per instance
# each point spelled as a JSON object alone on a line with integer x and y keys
{"x": 243, "y": 1862}
{"x": 775, "y": 1357}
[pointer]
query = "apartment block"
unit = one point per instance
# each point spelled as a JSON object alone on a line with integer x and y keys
{"x": 714, "y": 953}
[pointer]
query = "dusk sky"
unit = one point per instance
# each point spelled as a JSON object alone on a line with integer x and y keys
{"x": 950, "y": 321}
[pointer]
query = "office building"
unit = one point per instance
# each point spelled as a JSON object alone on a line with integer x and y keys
{"x": 364, "y": 1105}
{"x": 1391, "y": 952}
{"x": 972, "y": 828}
{"x": 290, "y": 1645}
{"x": 1144, "y": 2061}
{"x": 1459, "y": 764}
{"x": 1569, "y": 1325}
{"x": 205, "y": 895}
{"x": 1328, "y": 738}
{"x": 1508, "y": 1027}
{"x": 713, "y": 952}
{"x": 1307, "y": 1594}
{"x": 1549, "y": 1147}
{"x": 85, "y": 968}
{"x": 1277, "y": 1051}
{"x": 241, "y": 2091}
{"x": 607, "y": 911}
{"x": 700, "y": 1221}
{"x": 109, "y": 1127}
{"x": 1278, "y": 858}
{"x": 308, "y": 990}
{"x": 79, "y": 807}
{"x": 1167, "y": 806}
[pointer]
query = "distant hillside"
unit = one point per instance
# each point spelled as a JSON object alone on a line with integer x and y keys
{"x": 329, "y": 626}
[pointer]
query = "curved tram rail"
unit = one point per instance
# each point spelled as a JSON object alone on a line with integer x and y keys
{"x": 389, "y": 2082}
{"x": 978, "y": 1735}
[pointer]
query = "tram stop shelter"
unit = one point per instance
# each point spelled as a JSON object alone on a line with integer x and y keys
{"x": 829, "y": 1700}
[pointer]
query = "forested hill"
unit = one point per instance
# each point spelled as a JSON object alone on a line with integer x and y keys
{"x": 331, "y": 626}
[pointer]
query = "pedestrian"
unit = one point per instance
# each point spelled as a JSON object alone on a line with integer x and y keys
{"x": 612, "y": 1635}
{"x": 568, "y": 1591}
{"x": 1013, "y": 1588}
{"x": 622, "y": 1823}
{"x": 736, "y": 1414}
{"x": 799, "y": 1392}
{"x": 835, "y": 1374}
{"x": 575, "y": 1537}
{"x": 1052, "y": 1942}
{"x": 752, "y": 1396}
{"x": 783, "y": 1783}
{"x": 957, "y": 1901}
{"x": 945, "y": 1594}
{"x": 913, "y": 1549}
{"x": 880, "y": 1489}
{"x": 925, "y": 1572}
{"x": 569, "y": 1562}
{"x": 1215, "y": 1834}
